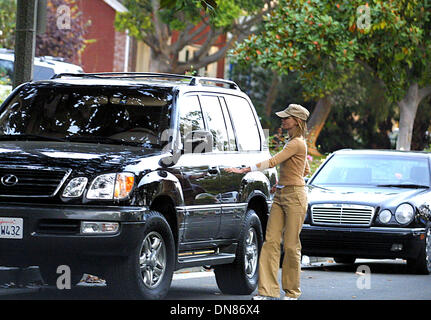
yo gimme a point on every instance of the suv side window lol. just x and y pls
(213, 113)
(244, 122)
(190, 115)
(231, 134)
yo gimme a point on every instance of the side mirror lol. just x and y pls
(171, 160)
(198, 142)
(306, 180)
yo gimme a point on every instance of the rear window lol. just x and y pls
(244, 123)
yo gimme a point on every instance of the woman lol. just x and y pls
(288, 210)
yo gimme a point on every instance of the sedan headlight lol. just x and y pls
(385, 216)
(111, 186)
(404, 213)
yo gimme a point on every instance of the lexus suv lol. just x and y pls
(122, 175)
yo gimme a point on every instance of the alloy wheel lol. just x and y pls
(251, 253)
(152, 260)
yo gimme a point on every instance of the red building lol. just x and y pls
(108, 49)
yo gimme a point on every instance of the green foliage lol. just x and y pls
(182, 4)
(7, 23)
(4, 92)
(322, 42)
(178, 14)
(397, 45)
(303, 36)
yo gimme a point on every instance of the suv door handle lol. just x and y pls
(213, 170)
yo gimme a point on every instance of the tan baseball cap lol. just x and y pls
(295, 110)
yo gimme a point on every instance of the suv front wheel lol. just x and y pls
(147, 272)
(240, 277)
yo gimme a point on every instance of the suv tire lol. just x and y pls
(240, 277)
(147, 272)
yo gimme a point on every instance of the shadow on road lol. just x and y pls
(376, 266)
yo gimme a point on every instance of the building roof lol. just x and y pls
(116, 5)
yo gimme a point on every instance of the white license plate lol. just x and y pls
(11, 228)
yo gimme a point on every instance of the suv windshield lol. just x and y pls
(85, 114)
(374, 170)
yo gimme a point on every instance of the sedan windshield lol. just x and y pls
(374, 170)
(87, 114)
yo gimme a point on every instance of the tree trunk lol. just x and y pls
(408, 108)
(316, 122)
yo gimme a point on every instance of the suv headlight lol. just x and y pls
(75, 187)
(111, 186)
(404, 213)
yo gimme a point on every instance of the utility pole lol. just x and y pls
(25, 41)
(30, 18)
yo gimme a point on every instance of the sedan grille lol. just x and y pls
(31, 182)
(342, 215)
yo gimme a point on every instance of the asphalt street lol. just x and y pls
(325, 280)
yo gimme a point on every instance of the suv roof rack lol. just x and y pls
(193, 80)
(51, 58)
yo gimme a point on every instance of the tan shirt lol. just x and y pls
(293, 163)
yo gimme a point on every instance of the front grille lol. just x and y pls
(342, 215)
(31, 182)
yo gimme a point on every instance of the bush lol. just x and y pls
(4, 92)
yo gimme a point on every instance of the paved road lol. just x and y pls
(365, 280)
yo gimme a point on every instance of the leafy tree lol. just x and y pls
(61, 39)
(65, 42)
(167, 30)
(7, 23)
(209, 5)
(397, 48)
(303, 36)
(327, 42)
(269, 92)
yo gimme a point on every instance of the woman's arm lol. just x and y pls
(307, 169)
(288, 151)
(237, 170)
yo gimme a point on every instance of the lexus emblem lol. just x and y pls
(9, 180)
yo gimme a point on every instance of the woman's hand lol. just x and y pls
(237, 170)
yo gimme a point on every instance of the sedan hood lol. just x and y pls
(374, 196)
(83, 157)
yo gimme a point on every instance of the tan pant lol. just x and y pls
(287, 214)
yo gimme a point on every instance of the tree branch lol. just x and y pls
(424, 92)
(182, 67)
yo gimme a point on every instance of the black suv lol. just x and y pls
(122, 175)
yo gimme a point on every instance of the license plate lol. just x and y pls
(11, 228)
